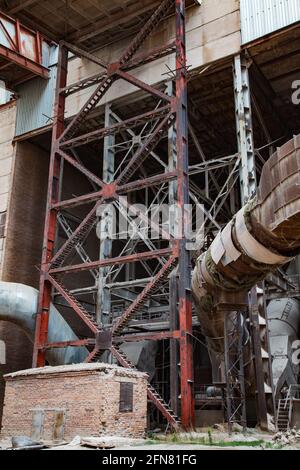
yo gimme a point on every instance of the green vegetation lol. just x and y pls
(209, 441)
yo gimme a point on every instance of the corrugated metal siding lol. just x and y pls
(261, 17)
(35, 103)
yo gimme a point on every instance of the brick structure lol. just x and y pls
(56, 403)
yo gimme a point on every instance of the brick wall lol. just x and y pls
(88, 395)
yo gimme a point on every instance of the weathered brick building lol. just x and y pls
(56, 403)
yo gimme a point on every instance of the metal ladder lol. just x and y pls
(153, 395)
(283, 415)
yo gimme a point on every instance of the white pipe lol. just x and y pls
(18, 304)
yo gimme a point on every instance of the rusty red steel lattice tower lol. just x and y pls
(172, 112)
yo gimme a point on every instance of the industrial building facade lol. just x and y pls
(111, 112)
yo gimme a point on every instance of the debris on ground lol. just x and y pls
(25, 443)
(99, 442)
(287, 438)
(109, 442)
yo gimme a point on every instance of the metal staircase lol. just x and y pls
(153, 395)
(144, 296)
(77, 237)
(87, 317)
(283, 415)
(285, 408)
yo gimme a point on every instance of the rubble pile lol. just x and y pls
(287, 438)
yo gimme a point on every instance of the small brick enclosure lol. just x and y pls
(58, 403)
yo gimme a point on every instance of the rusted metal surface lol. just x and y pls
(57, 263)
(184, 265)
(278, 199)
(42, 320)
(21, 46)
(262, 236)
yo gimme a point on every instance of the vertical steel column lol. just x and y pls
(244, 128)
(261, 403)
(185, 303)
(263, 368)
(106, 223)
(54, 182)
(174, 320)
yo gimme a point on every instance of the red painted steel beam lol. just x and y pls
(74, 344)
(24, 62)
(150, 56)
(147, 29)
(78, 201)
(142, 59)
(147, 337)
(82, 53)
(114, 129)
(185, 301)
(108, 80)
(142, 85)
(113, 261)
(83, 84)
(42, 320)
(125, 189)
(78, 236)
(147, 182)
(85, 316)
(91, 176)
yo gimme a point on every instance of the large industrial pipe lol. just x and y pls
(18, 304)
(264, 235)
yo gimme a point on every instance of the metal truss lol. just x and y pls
(119, 182)
(234, 323)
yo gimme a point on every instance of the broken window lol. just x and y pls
(126, 397)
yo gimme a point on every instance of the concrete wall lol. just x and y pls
(88, 397)
(213, 33)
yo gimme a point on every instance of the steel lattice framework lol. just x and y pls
(171, 113)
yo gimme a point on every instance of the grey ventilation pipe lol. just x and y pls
(264, 235)
(18, 304)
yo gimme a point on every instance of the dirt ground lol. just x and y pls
(197, 441)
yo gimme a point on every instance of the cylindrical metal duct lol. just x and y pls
(18, 305)
(264, 235)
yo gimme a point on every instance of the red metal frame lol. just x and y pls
(172, 113)
(30, 60)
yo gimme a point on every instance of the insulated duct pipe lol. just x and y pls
(18, 304)
(264, 235)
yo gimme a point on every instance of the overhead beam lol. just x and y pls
(20, 6)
